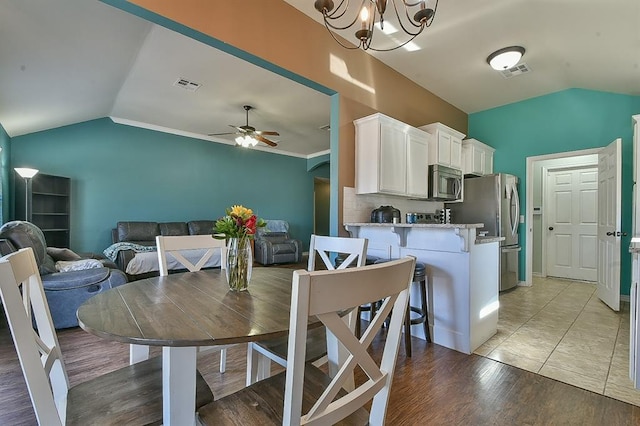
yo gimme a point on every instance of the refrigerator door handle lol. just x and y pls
(511, 249)
(514, 221)
(632, 335)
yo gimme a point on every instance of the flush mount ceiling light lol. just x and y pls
(412, 17)
(505, 58)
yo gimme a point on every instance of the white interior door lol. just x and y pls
(571, 208)
(609, 224)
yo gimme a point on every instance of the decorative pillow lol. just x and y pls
(77, 265)
(62, 254)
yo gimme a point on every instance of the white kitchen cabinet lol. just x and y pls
(477, 158)
(445, 147)
(417, 160)
(391, 157)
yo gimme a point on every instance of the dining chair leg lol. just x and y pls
(407, 332)
(223, 360)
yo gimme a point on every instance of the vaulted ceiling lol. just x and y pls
(68, 61)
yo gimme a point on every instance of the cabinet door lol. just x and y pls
(487, 168)
(417, 164)
(477, 158)
(392, 160)
(444, 149)
(456, 153)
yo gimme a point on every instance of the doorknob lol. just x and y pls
(551, 228)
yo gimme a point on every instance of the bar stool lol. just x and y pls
(365, 308)
(420, 277)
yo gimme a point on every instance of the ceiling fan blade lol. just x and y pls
(267, 132)
(222, 134)
(265, 140)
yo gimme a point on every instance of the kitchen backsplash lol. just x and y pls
(357, 208)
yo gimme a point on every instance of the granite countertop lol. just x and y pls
(634, 247)
(420, 225)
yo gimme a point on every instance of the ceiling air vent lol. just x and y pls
(521, 68)
(191, 86)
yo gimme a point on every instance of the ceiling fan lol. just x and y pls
(249, 132)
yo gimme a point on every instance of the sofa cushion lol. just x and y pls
(75, 279)
(283, 248)
(174, 229)
(275, 237)
(201, 227)
(137, 231)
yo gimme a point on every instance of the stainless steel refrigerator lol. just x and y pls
(493, 200)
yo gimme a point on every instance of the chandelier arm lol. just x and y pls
(338, 12)
(352, 47)
(402, 25)
(335, 27)
(395, 47)
(409, 18)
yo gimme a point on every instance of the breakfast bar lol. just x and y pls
(462, 276)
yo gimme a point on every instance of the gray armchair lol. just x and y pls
(273, 244)
(65, 291)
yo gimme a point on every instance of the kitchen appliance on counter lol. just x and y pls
(493, 200)
(385, 214)
(445, 183)
(421, 218)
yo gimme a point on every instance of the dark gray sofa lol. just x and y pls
(144, 234)
(65, 291)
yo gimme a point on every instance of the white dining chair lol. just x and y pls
(192, 252)
(130, 395)
(304, 394)
(260, 354)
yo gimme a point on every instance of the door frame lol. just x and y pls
(545, 236)
(529, 203)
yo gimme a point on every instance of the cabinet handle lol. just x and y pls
(551, 228)
(610, 234)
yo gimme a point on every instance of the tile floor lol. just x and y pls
(560, 329)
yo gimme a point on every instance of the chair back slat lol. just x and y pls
(314, 294)
(175, 245)
(355, 248)
(39, 352)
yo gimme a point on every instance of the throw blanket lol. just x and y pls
(112, 251)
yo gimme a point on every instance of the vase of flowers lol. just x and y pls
(238, 226)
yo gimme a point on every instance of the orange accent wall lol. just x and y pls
(277, 32)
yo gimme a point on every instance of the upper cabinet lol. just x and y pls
(391, 157)
(477, 158)
(446, 145)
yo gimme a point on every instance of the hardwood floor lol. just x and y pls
(436, 386)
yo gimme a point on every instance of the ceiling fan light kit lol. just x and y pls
(412, 16)
(246, 141)
(248, 135)
(505, 58)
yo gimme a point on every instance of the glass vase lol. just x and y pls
(238, 263)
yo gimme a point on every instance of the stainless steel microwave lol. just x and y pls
(445, 183)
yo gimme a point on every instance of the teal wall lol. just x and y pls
(120, 172)
(5, 175)
(569, 120)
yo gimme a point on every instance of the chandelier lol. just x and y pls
(412, 17)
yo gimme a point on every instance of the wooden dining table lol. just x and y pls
(183, 311)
